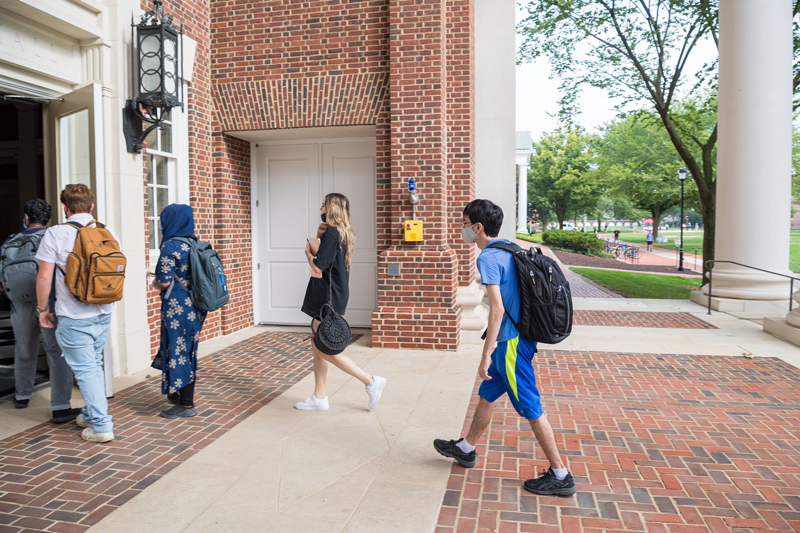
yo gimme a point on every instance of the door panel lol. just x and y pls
(288, 202)
(75, 144)
(349, 168)
(292, 183)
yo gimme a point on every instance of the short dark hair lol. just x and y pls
(38, 211)
(487, 213)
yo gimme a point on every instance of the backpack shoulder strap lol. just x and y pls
(181, 239)
(76, 225)
(507, 246)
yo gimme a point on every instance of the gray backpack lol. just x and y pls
(19, 267)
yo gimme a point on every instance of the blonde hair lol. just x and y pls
(337, 207)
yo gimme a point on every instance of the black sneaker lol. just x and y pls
(65, 415)
(448, 448)
(21, 404)
(179, 411)
(547, 484)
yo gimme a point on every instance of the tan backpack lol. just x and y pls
(95, 269)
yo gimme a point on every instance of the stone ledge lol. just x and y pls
(780, 328)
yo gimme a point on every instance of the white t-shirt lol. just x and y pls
(55, 247)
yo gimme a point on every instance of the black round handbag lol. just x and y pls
(333, 333)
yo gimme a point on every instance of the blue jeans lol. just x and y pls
(82, 342)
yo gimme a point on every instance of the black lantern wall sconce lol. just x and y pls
(156, 86)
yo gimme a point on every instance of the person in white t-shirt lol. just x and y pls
(82, 328)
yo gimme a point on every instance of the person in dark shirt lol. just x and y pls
(329, 258)
(25, 324)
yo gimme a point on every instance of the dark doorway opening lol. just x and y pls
(21, 179)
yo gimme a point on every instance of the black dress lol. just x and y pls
(329, 259)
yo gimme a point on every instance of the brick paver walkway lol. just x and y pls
(638, 319)
(657, 443)
(52, 480)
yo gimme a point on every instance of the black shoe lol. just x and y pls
(65, 415)
(448, 448)
(21, 404)
(179, 411)
(173, 397)
(547, 484)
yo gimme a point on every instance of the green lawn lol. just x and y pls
(639, 285)
(692, 240)
(537, 238)
(794, 250)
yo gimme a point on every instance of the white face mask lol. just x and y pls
(468, 234)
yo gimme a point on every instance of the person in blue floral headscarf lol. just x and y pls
(180, 321)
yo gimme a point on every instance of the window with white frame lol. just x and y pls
(167, 172)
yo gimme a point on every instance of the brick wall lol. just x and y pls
(421, 298)
(265, 65)
(195, 16)
(461, 128)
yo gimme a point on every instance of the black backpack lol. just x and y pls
(545, 306)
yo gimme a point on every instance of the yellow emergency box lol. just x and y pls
(413, 230)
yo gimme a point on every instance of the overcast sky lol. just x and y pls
(537, 95)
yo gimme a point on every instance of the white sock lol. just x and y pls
(465, 446)
(560, 473)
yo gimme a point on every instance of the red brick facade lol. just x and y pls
(405, 67)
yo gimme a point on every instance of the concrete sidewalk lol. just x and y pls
(251, 462)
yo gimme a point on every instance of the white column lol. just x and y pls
(754, 148)
(522, 199)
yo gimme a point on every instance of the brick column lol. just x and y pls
(417, 281)
(461, 127)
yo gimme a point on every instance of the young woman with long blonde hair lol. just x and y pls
(329, 257)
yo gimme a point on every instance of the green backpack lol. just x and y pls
(209, 288)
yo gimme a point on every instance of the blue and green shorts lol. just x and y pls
(512, 372)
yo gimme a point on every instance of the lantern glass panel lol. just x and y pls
(150, 63)
(170, 66)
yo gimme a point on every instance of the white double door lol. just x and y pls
(291, 183)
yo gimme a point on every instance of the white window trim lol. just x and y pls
(179, 187)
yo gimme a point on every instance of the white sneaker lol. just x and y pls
(374, 390)
(92, 436)
(312, 403)
(82, 421)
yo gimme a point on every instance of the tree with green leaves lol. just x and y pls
(637, 158)
(638, 51)
(562, 173)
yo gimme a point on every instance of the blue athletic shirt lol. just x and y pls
(496, 267)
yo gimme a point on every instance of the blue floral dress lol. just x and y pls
(180, 321)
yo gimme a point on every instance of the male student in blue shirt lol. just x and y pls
(508, 367)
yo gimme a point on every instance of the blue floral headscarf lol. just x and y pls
(177, 220)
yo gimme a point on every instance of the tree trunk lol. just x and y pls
(656, 213)
(709, 210)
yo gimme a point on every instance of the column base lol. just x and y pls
(737, 305)
(416, 328)
(474, 313)
(731, 281)
(417, 307)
